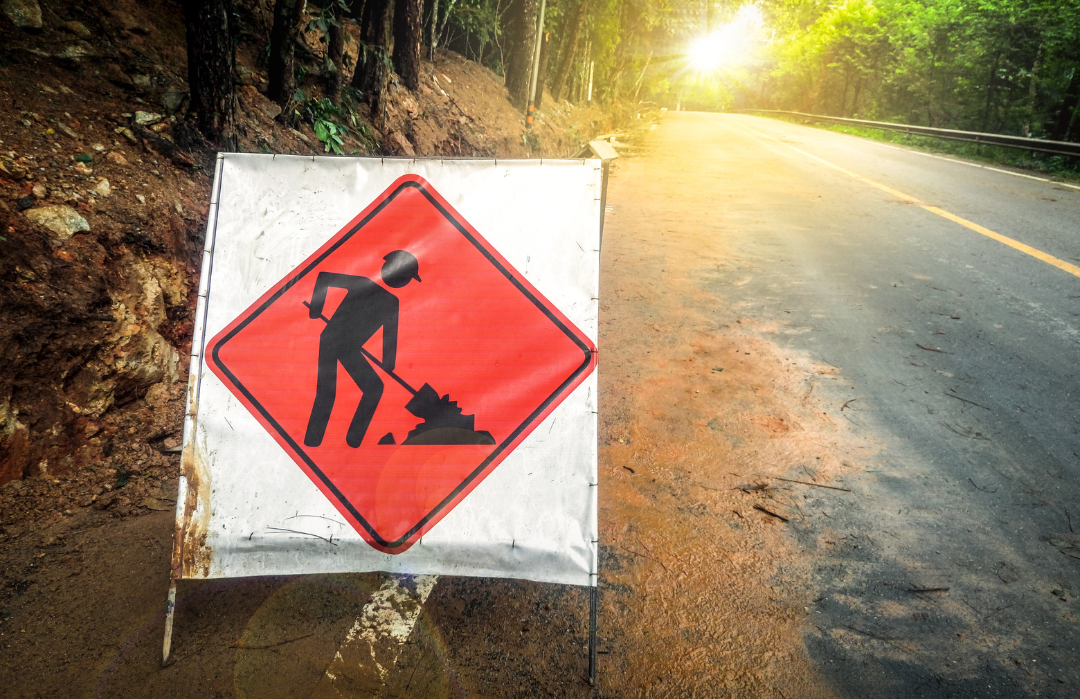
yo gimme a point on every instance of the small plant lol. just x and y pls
(326, 120)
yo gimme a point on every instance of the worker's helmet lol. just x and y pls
(400, 268)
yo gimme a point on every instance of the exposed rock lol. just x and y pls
(14, 445)
(400, 145)
(245, 76)
(156, 504)
(77, 28)
(15, 171)
(128, 134)
(172, 101)
(272, 110)
(24, 203)
(24, 14)
(67, 130)
(116, 158)
(147, 118)
(83, 169)
(141, 198)
(62, 220)
(71, 53)
(40, 192)
(103, 188)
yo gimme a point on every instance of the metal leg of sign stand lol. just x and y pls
(592, 636)
(170, 608)
(603, 201)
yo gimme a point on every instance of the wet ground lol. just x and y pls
(756, 441)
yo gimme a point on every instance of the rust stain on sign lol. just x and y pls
(191, 553)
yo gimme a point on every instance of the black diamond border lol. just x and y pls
(422, 188)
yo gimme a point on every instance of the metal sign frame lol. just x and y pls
(191, 490)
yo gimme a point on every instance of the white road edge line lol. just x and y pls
(384, 625)
(951, 160)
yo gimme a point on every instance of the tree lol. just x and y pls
(373, 76)
(408, 27)
(519, 63)
(335, 50)
(542, 70)
(568, 51)
(282, 65)
(211, 61)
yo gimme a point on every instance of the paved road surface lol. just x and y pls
(960, 357)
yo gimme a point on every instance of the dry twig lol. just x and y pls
(816, 485)
(782, 518)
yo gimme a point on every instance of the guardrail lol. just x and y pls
(989, 139)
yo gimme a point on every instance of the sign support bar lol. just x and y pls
(592, 634)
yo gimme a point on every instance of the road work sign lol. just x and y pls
(393, 369)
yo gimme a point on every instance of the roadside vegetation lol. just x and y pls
(996, 66)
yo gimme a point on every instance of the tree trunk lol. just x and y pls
(1032, 93)
(641, 79)
(519, 62)
(431, 23)
(375, 76)
(369, 19)
(282, 65)
(408, 28)
(335, 52)
(545, 55)
(211, 61)
(569, 48)
(1067, 112)
(991, 88)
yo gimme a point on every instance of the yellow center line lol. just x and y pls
(1015, 244)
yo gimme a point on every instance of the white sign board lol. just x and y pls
(393, 368)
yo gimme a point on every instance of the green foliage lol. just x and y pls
(326, 17)
(327, 120)
(1003, 66)
(477, 25)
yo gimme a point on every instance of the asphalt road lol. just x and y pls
(958, 359)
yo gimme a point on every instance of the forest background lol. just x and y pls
(1004, 66)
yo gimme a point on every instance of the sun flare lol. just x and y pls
(732, 43)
